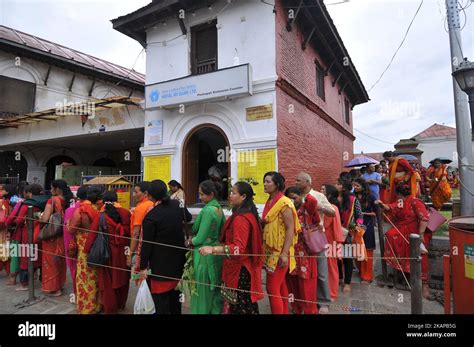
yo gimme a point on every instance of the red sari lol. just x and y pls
(85, 218)
(114, 283)
(4, 212)
(302, 282)
(53, 271)
(406, 217)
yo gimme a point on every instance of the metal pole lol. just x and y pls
(378, 212)
(463, 121)
(415, 274)
(31, 271)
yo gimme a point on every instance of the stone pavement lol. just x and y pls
(363, 299)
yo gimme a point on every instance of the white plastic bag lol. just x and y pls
(144, 302)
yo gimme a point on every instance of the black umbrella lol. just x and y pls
(443, 160)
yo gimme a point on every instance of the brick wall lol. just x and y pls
(315, 137)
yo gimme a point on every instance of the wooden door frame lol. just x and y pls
(192, 132)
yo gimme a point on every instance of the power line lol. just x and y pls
(126, 76)
(400, 46)
(390, 143)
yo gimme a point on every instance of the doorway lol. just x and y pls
(201, 150)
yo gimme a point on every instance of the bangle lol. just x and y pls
(227, 251)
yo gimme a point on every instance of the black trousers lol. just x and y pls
(348, 267)
(167, 302)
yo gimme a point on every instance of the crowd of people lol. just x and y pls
(303, 244)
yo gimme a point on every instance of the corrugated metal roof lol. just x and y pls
(436, 130)
(42, 45)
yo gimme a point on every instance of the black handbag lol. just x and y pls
(100, 251)
(54, 228)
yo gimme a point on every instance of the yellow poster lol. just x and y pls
(253, 164)
(124, 199)
(157, 167)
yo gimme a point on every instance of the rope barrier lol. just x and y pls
(344, 307)
(197, 250)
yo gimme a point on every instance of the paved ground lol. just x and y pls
(370, 299)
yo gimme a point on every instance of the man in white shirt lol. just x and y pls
(303, 182)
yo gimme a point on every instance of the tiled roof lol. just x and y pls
(436, 130)
(44, 46)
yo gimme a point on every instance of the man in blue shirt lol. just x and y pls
(374, 179)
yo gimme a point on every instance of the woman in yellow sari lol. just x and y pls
(437, 177)
(280, 235)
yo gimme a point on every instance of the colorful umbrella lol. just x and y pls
(361, 160)
(408, 157)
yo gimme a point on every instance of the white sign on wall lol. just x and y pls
(233, 81)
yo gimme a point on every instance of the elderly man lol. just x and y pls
(303, 182)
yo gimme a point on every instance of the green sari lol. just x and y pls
(206, 231)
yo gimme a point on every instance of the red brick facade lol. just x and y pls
(314, 138)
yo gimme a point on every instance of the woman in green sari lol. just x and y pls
(207, 270)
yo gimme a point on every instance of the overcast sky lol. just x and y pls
(412, 95)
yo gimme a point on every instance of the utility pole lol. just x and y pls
(463, 121)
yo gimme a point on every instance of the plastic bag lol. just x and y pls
(144, 302)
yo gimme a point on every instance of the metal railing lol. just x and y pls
(10, 179)
(206, 66)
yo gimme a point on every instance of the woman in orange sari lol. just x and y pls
(333, 228)
(53, 271)
(437, 177)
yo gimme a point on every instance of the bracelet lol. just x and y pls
(227, 251)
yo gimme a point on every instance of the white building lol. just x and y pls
(437, 141)
(243, 75)
(38, 78)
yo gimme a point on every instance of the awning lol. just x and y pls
(72, 109)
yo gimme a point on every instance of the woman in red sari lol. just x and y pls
(242, 234)
(18, 221)
(53, 273)
(400, 173)
(4, 212)
(410, 216)
(333, 228)
(302, 282)
(113, 283)
(86, 218)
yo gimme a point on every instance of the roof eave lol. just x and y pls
(68, 64)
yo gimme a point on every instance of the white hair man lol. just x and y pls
(303, 182)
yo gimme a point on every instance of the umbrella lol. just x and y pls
(361, 160)
(443, 160)
(408, 157)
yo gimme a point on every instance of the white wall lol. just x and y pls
(246, 29)
(438, 147)
(47, 97)
(59, 80)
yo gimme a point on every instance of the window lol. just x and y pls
(204, 48)
(347, 111)
(18, 97)
(320, 82)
